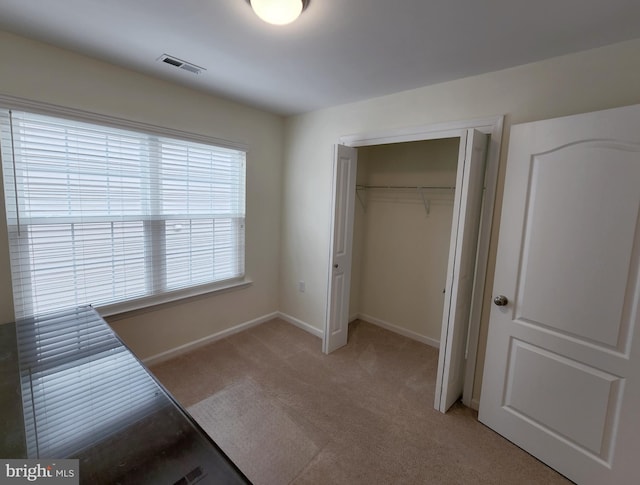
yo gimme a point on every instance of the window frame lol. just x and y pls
(167, 296)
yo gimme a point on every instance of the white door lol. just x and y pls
(562, 369)
(344, 187)
(461, 268)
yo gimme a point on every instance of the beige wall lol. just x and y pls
(582, 82)
(400, 253)
(40, 72)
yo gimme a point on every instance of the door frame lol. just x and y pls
(493, 127)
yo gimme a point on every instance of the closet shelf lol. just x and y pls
(419, 188)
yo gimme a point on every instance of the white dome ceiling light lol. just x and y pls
(278, 12)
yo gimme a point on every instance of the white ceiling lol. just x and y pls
(338, 51)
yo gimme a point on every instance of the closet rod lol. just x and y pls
(419, 189)
(412, 187)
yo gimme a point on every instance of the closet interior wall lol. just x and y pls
(401, 236)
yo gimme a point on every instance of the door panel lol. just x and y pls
(337, 292)
(562, 368)
(574, 390)
(337, 325)
(461, 268)
(560, 228)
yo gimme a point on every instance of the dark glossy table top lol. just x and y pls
(72, 389)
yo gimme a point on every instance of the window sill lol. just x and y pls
(121, 310)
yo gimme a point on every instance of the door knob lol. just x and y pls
(500, 300)
(336, 266)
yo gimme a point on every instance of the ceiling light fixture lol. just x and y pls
(278, 12)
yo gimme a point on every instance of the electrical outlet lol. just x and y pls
(301, 286)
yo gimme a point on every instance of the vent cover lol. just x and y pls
(187, 66)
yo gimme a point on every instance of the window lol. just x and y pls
(100, 215)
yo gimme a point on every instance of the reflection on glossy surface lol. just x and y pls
(79, 384)
(11, 429)
(86, 396)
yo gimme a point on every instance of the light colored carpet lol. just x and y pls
(288, 414)
(256, 433)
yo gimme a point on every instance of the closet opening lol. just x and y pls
(401, 234)
(410, 233)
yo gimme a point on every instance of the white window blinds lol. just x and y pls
(99, 215)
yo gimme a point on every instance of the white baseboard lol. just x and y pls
(474, 404)
(182, 349)
(402, 331)
(302, 325)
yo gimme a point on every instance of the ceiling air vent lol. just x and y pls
(187, 66)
